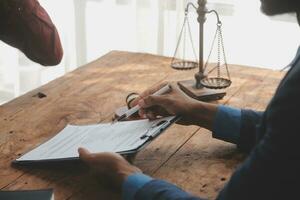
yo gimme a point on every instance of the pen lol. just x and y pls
(136, 108)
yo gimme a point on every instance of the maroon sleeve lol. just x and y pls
(24, 24)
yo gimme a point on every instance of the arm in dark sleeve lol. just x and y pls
(27, 26)
(231, 125)
(272, 169)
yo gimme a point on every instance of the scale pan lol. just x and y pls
(216, 83)
(184, 65)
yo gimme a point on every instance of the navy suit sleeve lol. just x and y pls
(161, 190)
(249, 121)
(272, 169)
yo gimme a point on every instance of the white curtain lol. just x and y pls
(92, 28)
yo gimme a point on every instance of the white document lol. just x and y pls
(118, 137)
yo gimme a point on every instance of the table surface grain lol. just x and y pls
(186, 156)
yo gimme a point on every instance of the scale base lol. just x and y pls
(202, 94)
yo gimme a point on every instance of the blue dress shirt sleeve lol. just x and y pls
(132, 184)
(227, 124)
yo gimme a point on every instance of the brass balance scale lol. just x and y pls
(209, 82)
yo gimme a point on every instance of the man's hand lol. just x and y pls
(176, 102)
(109, 167)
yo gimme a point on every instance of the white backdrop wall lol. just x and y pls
(91, 28)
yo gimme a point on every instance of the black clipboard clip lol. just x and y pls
(163, 124)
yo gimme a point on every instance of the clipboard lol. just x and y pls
(142, 139)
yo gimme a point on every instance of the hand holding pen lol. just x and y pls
(176, 103)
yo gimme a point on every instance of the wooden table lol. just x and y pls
(187, 156)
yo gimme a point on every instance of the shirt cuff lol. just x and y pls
(227, 124)
(132, 184)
